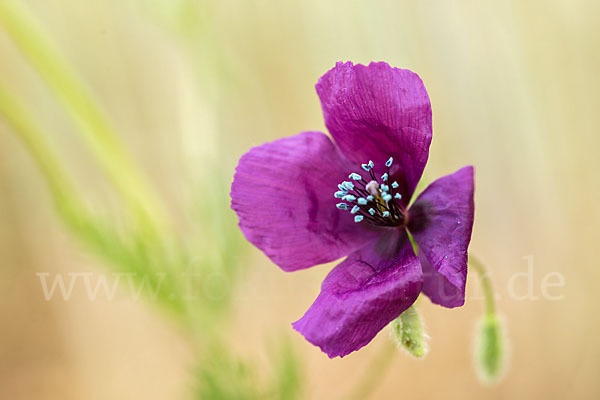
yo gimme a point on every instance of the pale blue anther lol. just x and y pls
(367, 167)
(370, 198)
(384, 177)
(386, 197)
(342, 188)
(339, 195)
(355, 176)
(355, 209)
(385, 188)
(398, 196)
(348, 185)
(349, 197)
(358, 218)
(361, 201)
(342, 206)
(389, 162)
(371, 211)
(385, 214)
(395, 184)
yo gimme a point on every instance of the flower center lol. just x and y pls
(374, 199)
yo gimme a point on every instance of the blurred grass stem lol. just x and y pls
(86, 114)
(32, 137)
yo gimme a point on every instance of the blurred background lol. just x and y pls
(121, 122)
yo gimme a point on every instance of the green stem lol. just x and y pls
(486, 284)
(375, 372)
(80, 105)
(490, 345)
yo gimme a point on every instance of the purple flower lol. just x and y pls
(307, 200)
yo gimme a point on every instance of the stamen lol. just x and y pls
(373, 201)
(348, 185)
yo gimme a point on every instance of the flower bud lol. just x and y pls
(408, 333)
(490, 350)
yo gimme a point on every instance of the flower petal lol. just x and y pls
(283, 195)
(441, 220)
(438, 288)
(376, 112)
(364, 293)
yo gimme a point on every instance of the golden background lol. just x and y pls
(192, 85)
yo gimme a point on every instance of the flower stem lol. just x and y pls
(92, 123)
(486, 284)
(490, 346)
(375, 372)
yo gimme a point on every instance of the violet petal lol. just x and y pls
(441, 220)
(283, 195)
(364, 293)
(376, 112)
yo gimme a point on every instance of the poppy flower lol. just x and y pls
(305, 200)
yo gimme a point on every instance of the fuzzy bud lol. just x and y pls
(490, 350)
(408, 333)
